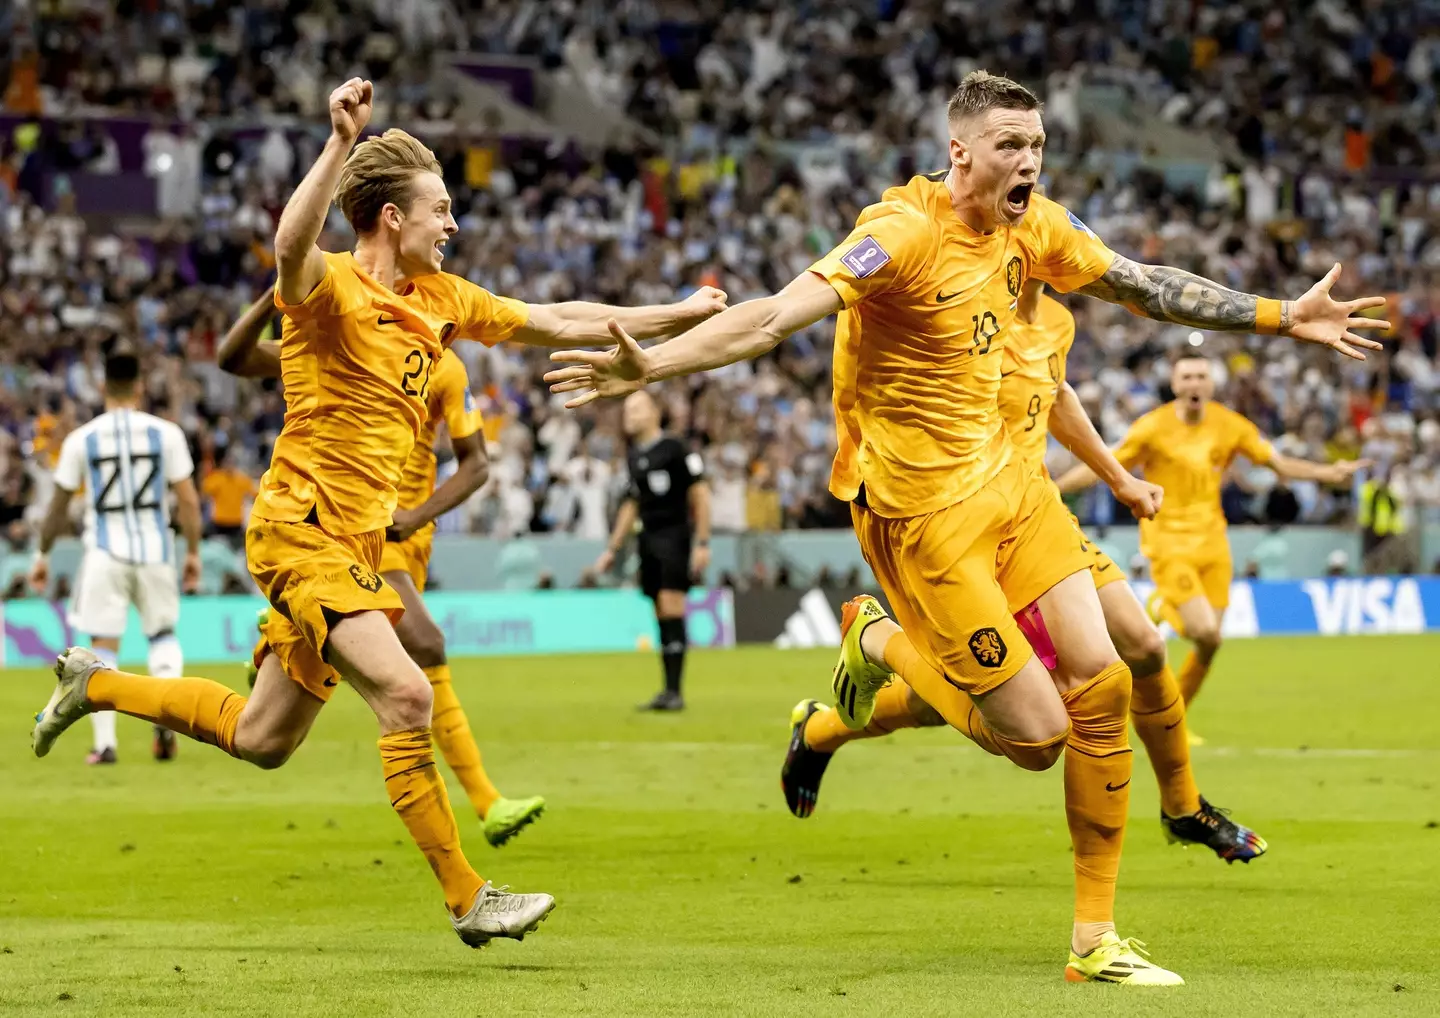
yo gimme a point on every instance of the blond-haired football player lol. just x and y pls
(367, 329)
(1186, 446)
(405, 562)
(959, 535)
(1036, 400)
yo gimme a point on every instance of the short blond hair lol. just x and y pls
(981, 91)
(379, 173)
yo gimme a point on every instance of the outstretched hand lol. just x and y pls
(607, 374)
(1319, 318)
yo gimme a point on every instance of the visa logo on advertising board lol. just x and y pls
(1380, 604)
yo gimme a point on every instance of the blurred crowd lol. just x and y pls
(770, 126)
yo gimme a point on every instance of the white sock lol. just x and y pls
(166, 659)
(103, 722)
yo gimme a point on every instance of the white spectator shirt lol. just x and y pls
(589, 480)
(126, 461)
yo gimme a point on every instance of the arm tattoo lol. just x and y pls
(1168, 294)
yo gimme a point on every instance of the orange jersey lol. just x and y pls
(450, 401)
(357, 360)
(1031, 371)
(1189, 461)
(928, 310)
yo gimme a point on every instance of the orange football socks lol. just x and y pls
(825, 732)
(1097, 789)
(451, 729)
(1158, 711)
(418, 794)
(200, 708)
(1192, 674)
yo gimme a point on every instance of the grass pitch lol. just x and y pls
(932, 880)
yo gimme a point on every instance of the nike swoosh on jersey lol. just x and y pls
(389, 321)
(941, 296)
(1115, 788)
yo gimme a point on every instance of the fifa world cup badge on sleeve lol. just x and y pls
(865, 258)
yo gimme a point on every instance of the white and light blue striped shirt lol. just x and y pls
(126, 461)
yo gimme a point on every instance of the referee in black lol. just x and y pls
(669, 493)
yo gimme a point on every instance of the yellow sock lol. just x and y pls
(1097, 788)
(418, 795)
(825, 732)
(951, 702)
(1192, 674)
(1158, 711)
(200, 708)
(452, 734)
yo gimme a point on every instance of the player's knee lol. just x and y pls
(1207, 641)
(924, 715)
(1144, 653)
(409, 706)
(425, 644)
(267, 752)
(1037, 754)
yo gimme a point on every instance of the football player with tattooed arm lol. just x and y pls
(959, 535)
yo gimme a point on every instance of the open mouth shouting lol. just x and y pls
(1017, 199)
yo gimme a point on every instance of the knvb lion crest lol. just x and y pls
(987, 647)
(365, 579)
(1013, 277)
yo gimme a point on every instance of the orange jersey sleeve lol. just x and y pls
(1063, 251)
(1248, 441)
(485, 317)
(1031, 372)
(1131, 450)
(891, 246)
(457, 405)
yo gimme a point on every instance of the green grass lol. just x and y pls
(932, 880)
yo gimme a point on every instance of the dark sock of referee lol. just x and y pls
(672, 653)
(669, 500)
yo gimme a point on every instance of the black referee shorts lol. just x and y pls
(664, 560)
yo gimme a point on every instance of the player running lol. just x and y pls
(960, 536)
(1036, 400)
(369, 329)
(405, 560)
(1186, 446)
(130, 462)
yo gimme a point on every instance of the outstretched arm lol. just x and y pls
(1295, 469)
(583, 323)
(739, 333)
(1072, 426)
(242, 353)
(1168, 294)
(298, 261)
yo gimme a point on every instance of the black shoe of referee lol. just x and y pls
(665, 700)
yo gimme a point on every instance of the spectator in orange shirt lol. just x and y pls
(226, 489)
